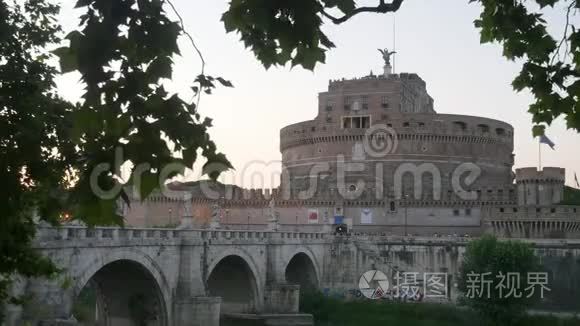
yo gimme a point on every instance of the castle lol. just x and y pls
(380, 159)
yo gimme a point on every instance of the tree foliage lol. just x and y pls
(551, 67)
(290, 31)
(279, 32)
(61, 158)
(34, 146)
(490, 255)
(124, 52)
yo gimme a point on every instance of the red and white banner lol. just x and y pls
(312, 216)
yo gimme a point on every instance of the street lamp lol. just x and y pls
(296, 222)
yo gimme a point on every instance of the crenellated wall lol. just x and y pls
(540, 187)
(534, 222)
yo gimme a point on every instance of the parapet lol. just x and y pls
(547, 174)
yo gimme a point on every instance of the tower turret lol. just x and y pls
(540, 187)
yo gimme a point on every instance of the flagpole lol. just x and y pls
(539, 155)
(394, 43)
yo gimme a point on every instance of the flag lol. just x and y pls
(312, 216)
(576, 179)
(366, 216)
(545, 140)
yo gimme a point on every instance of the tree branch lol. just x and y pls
(564, 39)
(382, 8)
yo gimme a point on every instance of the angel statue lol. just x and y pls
(387, 56)
(272, 210)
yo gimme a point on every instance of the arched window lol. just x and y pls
(459, 126)
(483, 128)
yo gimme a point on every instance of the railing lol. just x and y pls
(112, 233)
(105, 234)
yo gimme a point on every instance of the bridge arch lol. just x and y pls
(127, 284)
(234, 276)
(302, 268)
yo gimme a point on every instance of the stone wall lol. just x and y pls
(350, 258)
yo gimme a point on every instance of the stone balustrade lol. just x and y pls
(127, 234)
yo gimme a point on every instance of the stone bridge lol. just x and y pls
(171, 277)
(185, 277)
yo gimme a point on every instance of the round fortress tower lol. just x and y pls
(419, 143)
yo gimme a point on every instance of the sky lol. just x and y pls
(435, 39)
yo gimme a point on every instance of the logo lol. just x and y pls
(373, 284)
(380, 140)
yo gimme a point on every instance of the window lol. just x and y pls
(455, 212)
(500, 131)
(365, 102)
(352, 188)
(385, 102)
(468, 211)
(328, 119)
(538, 210)
(346, 122)
(515, 210)
(552, 210)
(356, 122)
(328, 108)
(459, 126)
(392, 206)
(483, 128)
(405, 124)
(366, 122)
(501, 210)
(347, 103)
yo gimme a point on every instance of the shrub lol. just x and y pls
(489, 255)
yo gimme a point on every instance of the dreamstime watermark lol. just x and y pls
(375, 161)
(380, 140)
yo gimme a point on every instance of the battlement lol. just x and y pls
(404, 76)
(438, 128)
(540, 187)
(547, 174)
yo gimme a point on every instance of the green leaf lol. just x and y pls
(160, 68)
(68, 60)
(224, 82)
(83, 3)
(148, 183)
(538, 130)
(215, 165)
